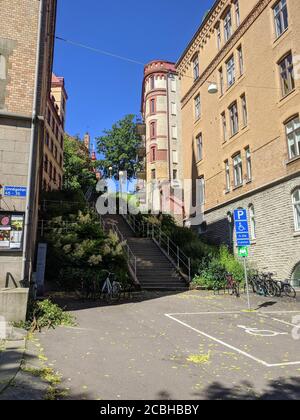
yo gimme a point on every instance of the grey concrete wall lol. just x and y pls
(277, 246)
(13, 304)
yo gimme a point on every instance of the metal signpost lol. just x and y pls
(243, 241)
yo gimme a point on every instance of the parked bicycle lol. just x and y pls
(111, 289)
(264, 284)
(229, 284)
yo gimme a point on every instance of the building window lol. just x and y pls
(241, 60)
(174, 132)
(173, 85)
(238, 170)
(227, 25)
(293, 137)
(152, 106)
(234, 119)
(153, 129)
(153, 154)
(197, 107)
(61, 141)
(47, 139)
(201, 189)
(224, 126)
(196, 71)
(245, 110)
(199, 142)
(237, 13)
(230, 65)
(173, 108)
(152, 82)
(221, 78)
(175, 156)
(153, 174)
(227, 176)
(287, 74)
(219, 38)
(281, 17)
(296, 206)
(175, 174)
(2, 67)
(252, 222)
(248, 163)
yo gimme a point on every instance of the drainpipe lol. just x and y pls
(31, 173)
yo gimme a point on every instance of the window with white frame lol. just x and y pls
(234, 118)
(227, 176)
(2, 67)
(221, 78)
(152, 82)
(252, 220)
(237, 13)
(248, 163)
(196, 72)
(173, 85)
(219, 37)
(241, 60)
(224, 126)
(296, 207)
(152, 106)
(238, 170)
(287, 78)
(245, 110)
(197, 101)
(199, 143)
(174, 132)
(281, 17)
(227, 25)
(175, 156)
(173, 108)
(230, 66)
(293, 137)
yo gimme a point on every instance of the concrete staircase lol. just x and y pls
(154, 269)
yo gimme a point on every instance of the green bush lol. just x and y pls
(45, 314)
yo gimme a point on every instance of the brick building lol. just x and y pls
(26, 54)
(161, 114)
(54, 135)
(243, 143)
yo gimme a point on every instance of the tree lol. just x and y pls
(119, 147)
(79, 169)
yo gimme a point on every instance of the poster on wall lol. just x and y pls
(11, 231)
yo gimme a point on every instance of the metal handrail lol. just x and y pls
(131, 258)
(150, 230)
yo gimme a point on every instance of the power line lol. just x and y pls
(102, 52)
(133, 61)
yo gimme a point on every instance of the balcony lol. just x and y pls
(141, 149)
(141, 174)
(141, 129)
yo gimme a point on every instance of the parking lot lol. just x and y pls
(191, 345)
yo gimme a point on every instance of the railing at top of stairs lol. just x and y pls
(131, 258)
(165, 243)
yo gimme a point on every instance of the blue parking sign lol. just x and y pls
(241, 227)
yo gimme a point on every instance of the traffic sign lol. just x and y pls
(243, 251)
(241, 227)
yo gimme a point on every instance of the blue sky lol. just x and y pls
(103, 89)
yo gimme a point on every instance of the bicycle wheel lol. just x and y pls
(271, 290)
(289, 291)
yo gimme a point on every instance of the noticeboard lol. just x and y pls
(11, 231)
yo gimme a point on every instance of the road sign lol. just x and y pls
(243, 251)
(241, 227)
(11, 191)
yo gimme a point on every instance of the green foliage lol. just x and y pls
(62, 203)
(79, 251)
(119, 145)
(42, 314)
(78, 167)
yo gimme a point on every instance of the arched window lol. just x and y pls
(252, 221)
(296, 208)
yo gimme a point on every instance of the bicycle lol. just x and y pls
(286, 289)
(232, 286)
(111, 289)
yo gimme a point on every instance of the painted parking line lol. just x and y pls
(248, 330)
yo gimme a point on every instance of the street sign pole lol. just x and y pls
(247, 283)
